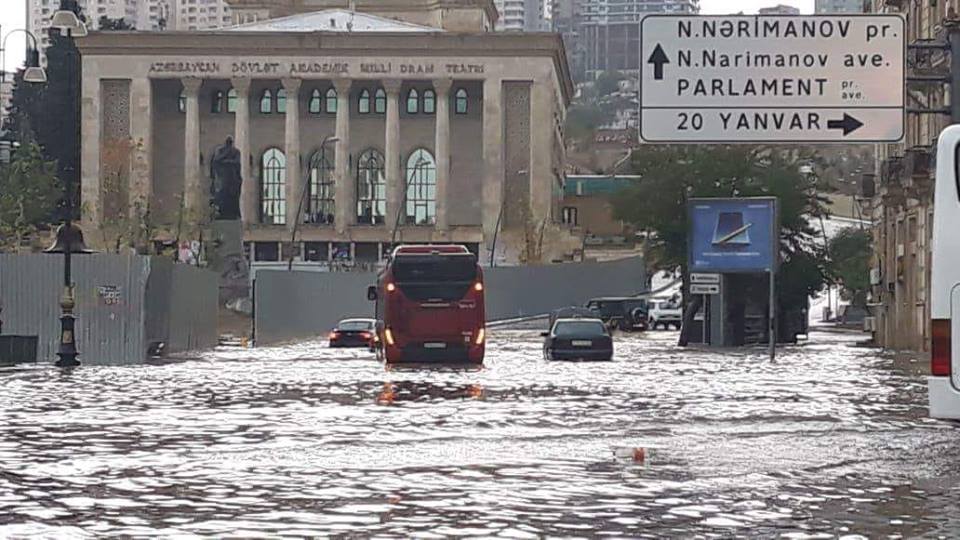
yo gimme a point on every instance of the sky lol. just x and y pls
(13, 15)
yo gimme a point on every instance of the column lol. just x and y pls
(346, 208)
(241, 139)
(90, 154)
(492, 162)
(393, 173)
(192, 198)
(141, 131)
(291, 147)
(442, 148)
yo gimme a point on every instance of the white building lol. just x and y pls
(839, 6)
(779, 10)
(523, 15)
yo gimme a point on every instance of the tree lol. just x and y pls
(28, 195)
(849, 266)
(106, 24)
(672, 174)
(607, 83)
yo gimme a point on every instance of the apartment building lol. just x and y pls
(839, 6)
(779, 9)
(523, 15)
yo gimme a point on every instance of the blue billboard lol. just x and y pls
(733, 235)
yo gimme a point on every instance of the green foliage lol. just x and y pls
(607, 83)
(106, 24)
(672, 174)
(28, 194)
(584, 118)
(849, 266)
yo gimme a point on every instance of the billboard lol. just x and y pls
(733, 235)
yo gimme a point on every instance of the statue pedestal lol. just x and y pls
(225, 257)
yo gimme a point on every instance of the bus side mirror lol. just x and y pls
(372, 293)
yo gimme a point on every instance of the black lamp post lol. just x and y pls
(69, 236)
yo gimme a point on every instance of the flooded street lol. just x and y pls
(832, 440)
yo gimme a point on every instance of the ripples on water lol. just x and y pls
(829, 441)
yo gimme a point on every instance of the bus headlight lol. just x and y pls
(388, 335)
(481, 335)
(391, 287)
(478, 286)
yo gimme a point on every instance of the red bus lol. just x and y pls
(430, 305)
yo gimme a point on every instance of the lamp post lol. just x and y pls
(69, 236)
(32, 73)
(303, 193)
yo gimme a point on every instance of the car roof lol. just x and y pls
(579, 319)
(357, 319)
(616, 299)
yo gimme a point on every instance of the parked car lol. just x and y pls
(665, 313)
(578, 339)
(354, 333)
(571, 312)
(622, 313)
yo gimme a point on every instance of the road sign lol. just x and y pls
(704, 278)
(704, 288)
(764, 78)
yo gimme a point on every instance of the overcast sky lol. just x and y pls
(13, 15)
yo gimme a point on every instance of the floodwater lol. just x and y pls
(829, 441)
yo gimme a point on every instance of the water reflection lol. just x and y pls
(832, 440)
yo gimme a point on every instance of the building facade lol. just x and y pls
(779, 10)
(523, 15)
(840, 6)
(355, 131)
(901, 189)
(609, 31)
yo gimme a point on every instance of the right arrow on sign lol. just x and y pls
(658, 59)
(849, 124)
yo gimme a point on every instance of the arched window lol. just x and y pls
(413, 101)
(380, 101)
(371, 188)
(429, 101)
(331, 100)
(216, 102)
(421, 188)
(281, 101)
(231, 100)
(273, 180)
(460, 105)
(363, 104)
(321, 206)
(182, 102)
(266, 102)
(314, 106)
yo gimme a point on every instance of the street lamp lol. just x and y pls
(69, 240)
(32, 73)
(66, 20)
(303, 194)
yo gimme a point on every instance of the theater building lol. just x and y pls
(392, 122)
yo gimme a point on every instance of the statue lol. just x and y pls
(225, 173)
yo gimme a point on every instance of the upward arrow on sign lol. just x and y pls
(658, 59)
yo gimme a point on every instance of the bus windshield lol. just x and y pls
(434, 277)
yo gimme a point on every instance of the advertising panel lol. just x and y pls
(733, 235)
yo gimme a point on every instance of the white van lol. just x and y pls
(943, 385)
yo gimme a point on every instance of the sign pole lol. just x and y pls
(773, 316)
(705, 313)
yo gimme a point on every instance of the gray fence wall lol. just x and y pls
(294, 305)
(116, 317)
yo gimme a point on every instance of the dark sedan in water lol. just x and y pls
(578, 339)
(354, 333)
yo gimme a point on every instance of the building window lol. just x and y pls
(460, 105)
(331, 100)
(314, 105)
(232, 100)
(371, 188)
(320, 208)
(216, 102)
(273, 199)
(421, 188)
(413, 101)
(266, 251)
(363, 105)
(316, 251)
(380, 101)
(281, 101)
(266, 102)
(182, 102)
(429, 102)
(570, 216)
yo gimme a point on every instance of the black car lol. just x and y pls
(354, 333)
(578, 339)
(571, 312)
(622, 313)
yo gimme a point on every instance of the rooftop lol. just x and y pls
(332, 20)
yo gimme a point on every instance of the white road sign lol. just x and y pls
(772, 78)
(704, 278)
(704, 288)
